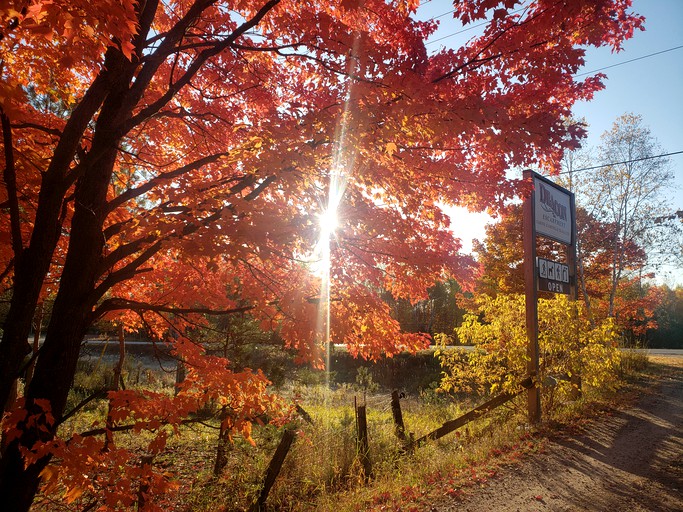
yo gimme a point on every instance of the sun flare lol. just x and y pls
(328, 222)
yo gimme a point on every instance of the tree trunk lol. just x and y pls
(582, 281)
(71, 317)
(33, 262)
(72, 312)
(51, 381)
(19, 485)
(37, 326)
(14, 345)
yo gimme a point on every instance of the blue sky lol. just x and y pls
(651, 86)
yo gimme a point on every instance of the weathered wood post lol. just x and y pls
(118, 369)
(362, 444)
(472, 415)
(223, 445)
(274, 468)
(399, 427)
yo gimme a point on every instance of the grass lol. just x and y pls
(322, 470)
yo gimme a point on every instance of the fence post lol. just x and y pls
(399, 427)
(362, 442)
(274, 468)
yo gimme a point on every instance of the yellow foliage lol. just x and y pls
(568, 345)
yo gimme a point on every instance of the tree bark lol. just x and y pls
(72, 312)
(33, 262)
(37, 326)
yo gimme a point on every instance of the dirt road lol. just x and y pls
(629, 461)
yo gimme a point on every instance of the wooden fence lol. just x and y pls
(362, 444)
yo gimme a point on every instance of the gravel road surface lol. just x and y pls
(631, 460)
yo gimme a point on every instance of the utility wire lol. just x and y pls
(464, 29)
(455, 33)
(631, 60)
(521, 9)
(441, 15)
(620, 163)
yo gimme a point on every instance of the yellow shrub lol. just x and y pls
(568, 346)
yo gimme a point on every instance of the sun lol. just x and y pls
(328, 221)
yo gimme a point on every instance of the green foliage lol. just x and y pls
(669, 318)
(568, 346)
(437, 315)
(364, 380)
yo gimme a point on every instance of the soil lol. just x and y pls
(629, 460)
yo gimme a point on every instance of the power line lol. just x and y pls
(464, 29)
(441, 15)
(455, 33)
(620, 163)
(521, 9)
(628, 61)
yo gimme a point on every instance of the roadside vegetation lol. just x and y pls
(323, 471)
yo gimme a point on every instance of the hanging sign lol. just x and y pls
(553, 277)
(553, 212)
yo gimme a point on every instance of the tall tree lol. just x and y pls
(501, 260)
(669, 318)
(629, 191)
(169, 159)
(438, 314)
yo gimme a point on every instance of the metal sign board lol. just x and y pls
(553, 212)
(553, 276)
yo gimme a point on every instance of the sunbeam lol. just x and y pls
(343, 159)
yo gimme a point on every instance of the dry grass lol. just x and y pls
(322, 472)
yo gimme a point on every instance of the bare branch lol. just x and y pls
(39, 127)
(98, 394)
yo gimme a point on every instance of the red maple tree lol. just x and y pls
(168, 160)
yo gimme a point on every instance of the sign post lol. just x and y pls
(530, 290)
(548, 212)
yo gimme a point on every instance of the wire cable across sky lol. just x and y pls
(621, 163)
(628, 61)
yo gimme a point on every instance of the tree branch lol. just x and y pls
(100, 393)
(193, 68)
(10, 177)
(146, 187)
(125, 428)
(115, 304)
(476, 61)
(39, 127)
(260, 188)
